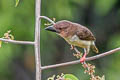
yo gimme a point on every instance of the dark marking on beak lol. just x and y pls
(51, 28)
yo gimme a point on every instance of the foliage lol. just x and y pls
(17, 2)
(7, 35)
(63, 77)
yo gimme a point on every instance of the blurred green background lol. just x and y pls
(102, 17)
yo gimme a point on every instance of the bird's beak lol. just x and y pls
(51, 28)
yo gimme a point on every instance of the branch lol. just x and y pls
(17, 42)
(44, 17)
(37, 39)
(78, 61)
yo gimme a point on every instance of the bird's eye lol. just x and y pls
(60, 28)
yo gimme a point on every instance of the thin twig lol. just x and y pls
(78, 61)
(37, 40)
(44, 17)
(17, 42)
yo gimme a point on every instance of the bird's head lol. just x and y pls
(60, 27)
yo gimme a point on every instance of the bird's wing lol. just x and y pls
(84, 33)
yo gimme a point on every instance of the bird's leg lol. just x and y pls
(83, 58)
(76, 50)
(78, 53)
(86, 50)
(72, 47)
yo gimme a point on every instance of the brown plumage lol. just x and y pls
(75, 34)
(74, 28)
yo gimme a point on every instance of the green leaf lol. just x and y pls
(70, 77)
(0, 44)
(16, 3)
(51, 78)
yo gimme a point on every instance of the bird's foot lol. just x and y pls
(83, 58)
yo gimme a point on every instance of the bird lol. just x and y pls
(76, 35)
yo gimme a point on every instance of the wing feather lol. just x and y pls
(84, 33)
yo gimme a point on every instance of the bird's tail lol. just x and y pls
(94, 48)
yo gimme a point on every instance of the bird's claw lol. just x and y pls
(83, 58)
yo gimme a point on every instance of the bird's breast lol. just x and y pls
(74, 40)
